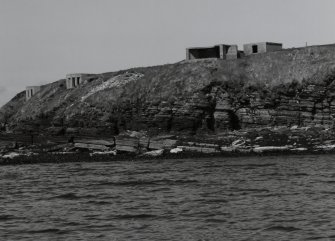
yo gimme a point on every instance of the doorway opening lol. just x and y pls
(254, 49)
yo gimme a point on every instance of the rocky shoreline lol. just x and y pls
(132, 145)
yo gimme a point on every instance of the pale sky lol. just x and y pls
(43, 40)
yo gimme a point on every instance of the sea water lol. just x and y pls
(246, 198)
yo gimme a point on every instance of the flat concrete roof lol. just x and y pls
(270, 43)
(218, 45)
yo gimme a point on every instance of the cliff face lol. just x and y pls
(289, 87)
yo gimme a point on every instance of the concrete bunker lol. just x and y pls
(31, 91)
(221, 51)
(263, 47)
(74, 80)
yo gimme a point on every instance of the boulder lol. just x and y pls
(154, 153)
(91, 146)
(99, 153)
(270, 148)
(60, 147)
(227, 148)
(326, 147)
(71, 131)
(162, 144)
(127, 144)
(11, 155)
(97, 142)
(198, 149)
(176, 150)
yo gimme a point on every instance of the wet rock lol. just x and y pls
(238, 143)
(91, 146)
(228, 148)
(270, 148)
(162, 144)
(198, 149)
(60, 147)
(127, 144)
(155, 153)
(108, 143)
(325, 147)
(100, 153)
(72, 131)
(299, 149)
(176, 150)
(56, 131)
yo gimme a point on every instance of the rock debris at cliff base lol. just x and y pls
(293, 87)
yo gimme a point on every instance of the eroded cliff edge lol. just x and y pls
(284, 88)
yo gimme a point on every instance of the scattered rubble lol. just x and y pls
(117, 81)
(130, 143)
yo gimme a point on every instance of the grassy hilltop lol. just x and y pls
(289, 87)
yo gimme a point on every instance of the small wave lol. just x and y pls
(9, 176)
(251, 165)
(126, 183)
(216, 201)
(273, 174)
(317, 238)
(275, 195)
(135, 216)
(99, 202)
(72, 196)
(6, 217)
(216, 220)
(179, 181)
(213, 166)
(283, 228)
(68, 196)
(48, 230)
(72, 224)
(288, 220)
(328, 192)
(299, 174)
(160, 189)
(249, 190)
(145, 183)
(333, 181)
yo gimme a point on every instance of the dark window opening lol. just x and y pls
(254, 49)
(73, 82)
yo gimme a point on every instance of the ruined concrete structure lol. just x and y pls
(263, 47)
(221, 51)
(31, 91)
(74, 80)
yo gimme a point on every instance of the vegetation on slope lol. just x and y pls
(290, 87)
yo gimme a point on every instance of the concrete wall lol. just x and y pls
(273, 47)
(74, 80)
(217, 51)
(232, 52)
(31, 91)
(203, 53)
(263, 47)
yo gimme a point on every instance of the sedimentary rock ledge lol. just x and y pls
(138, 145)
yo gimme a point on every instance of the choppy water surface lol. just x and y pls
(256, 198)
